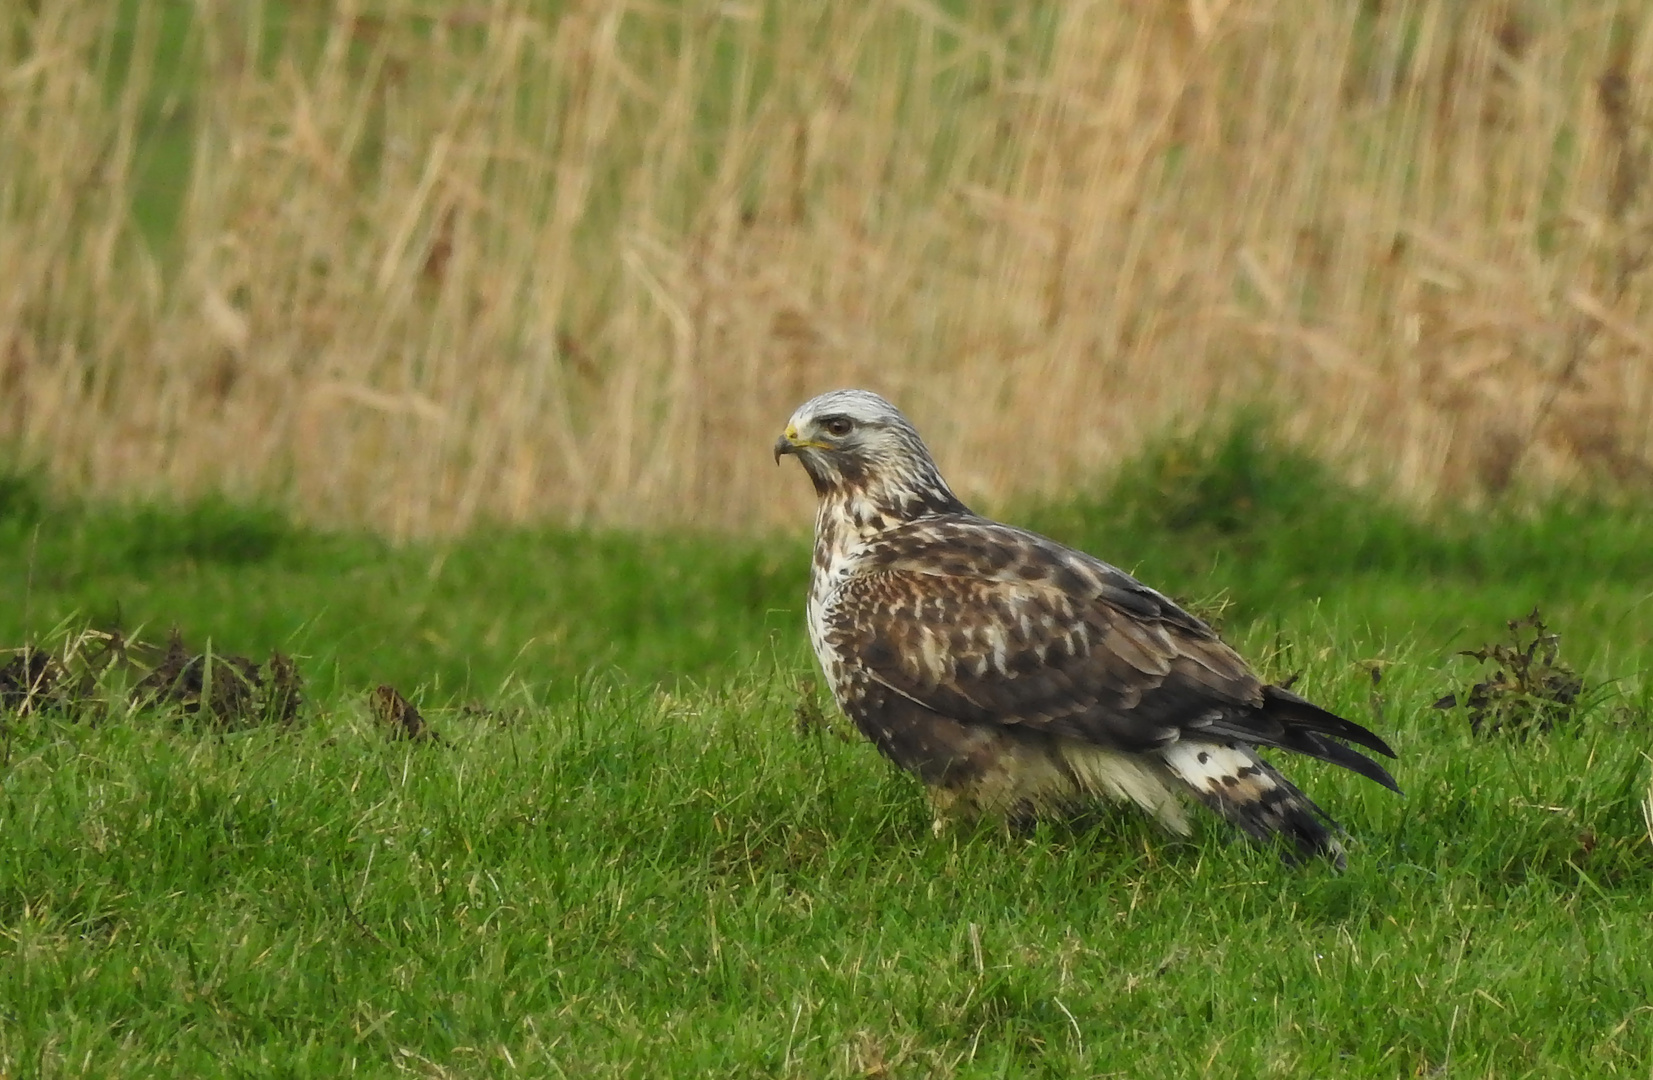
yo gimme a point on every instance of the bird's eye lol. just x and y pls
(837, 426)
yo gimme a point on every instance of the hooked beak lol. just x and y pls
(789, 443)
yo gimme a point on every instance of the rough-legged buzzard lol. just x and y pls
(1016, 676)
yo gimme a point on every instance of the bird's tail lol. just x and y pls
(1231, 779)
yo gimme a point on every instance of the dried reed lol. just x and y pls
(434, 264)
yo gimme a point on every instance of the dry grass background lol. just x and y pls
(436, 263)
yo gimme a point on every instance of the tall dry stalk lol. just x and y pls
(435, 263)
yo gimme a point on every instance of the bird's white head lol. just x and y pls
(857, 447)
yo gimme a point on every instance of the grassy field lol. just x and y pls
(306, 309)
(627, 856)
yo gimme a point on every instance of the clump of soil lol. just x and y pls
(232, 691)
(283, 690)
(399, 716)
(31, 681)
(223, 690)
(36, 681)
(1531, 689)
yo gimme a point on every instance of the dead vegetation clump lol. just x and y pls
(96, 669)
(31, 681)
(1531, 690)
(36, 681)
(399, 717)
(230, 691)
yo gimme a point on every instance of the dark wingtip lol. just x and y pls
(1335, 752)
(1306, 714)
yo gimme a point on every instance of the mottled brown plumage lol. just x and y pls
(1017, 676)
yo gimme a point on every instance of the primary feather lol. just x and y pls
(1017, 676)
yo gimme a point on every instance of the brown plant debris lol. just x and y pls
(1530, 689)
(226, 686)
(399, 716)
(233, 691)
(36, 680)
(283, 690)
(31, 680)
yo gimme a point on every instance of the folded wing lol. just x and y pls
(987, 624)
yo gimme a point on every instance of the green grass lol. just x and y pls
(640, 866)
(1226, 519)
(461, 618)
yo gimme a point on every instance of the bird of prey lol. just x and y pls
(1017, 677)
